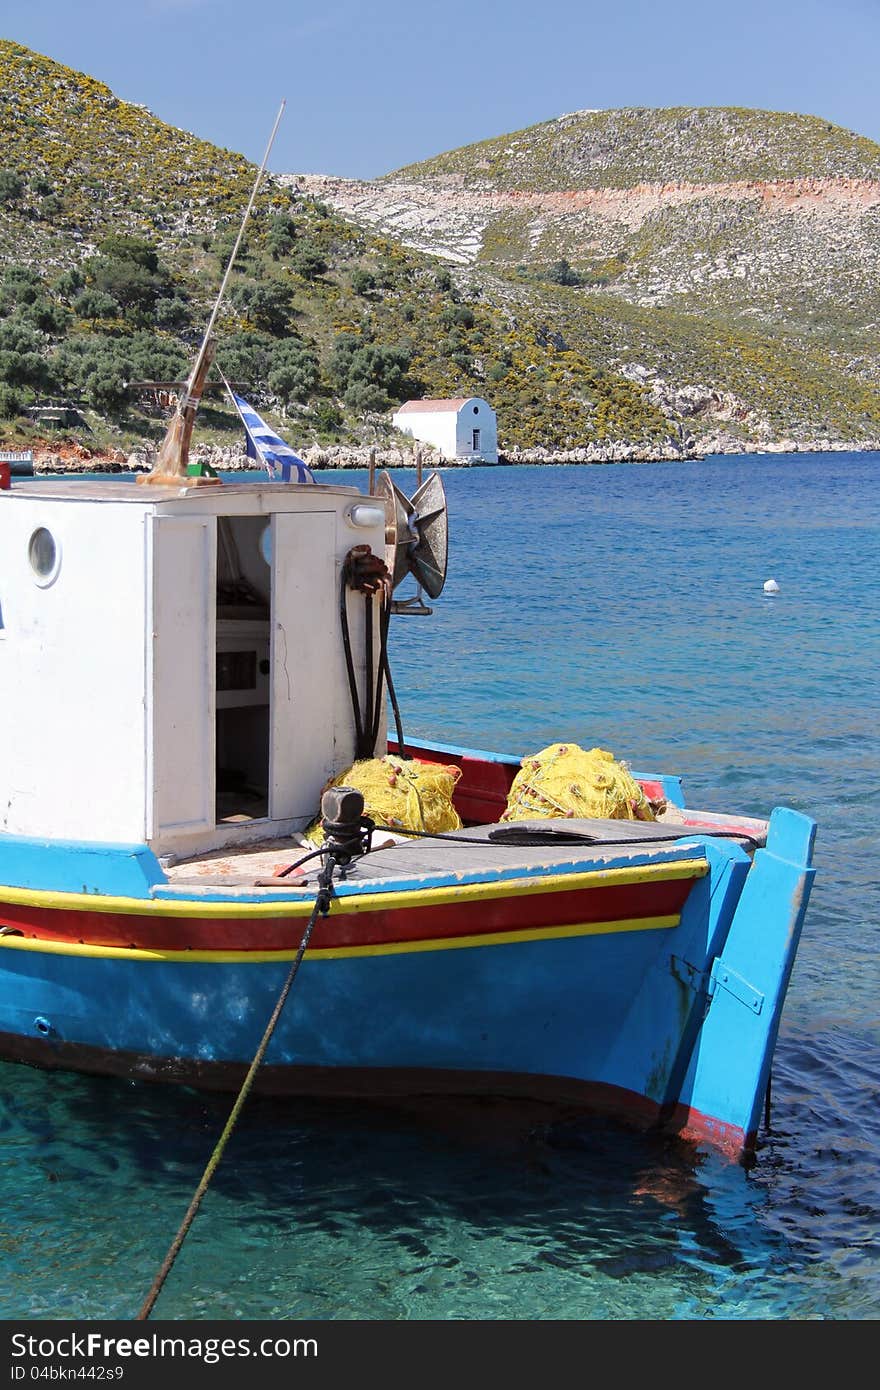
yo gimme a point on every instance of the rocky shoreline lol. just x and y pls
(73, 458)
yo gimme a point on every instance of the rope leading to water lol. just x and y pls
(321, 908)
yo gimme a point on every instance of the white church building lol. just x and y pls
(461, 428)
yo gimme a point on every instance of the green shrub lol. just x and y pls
(280, 236)
(11, 186)
(369, 375)
(69, 283)
(20, 285)
(119, 247)
(327, 417)
(308, 260)
(11, 401)
(561, 273)
(265, 304)
(46, 315)
(246, 358)
(362, 282)
(294, 372)
(95, 304)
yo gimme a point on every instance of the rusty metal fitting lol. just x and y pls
(366, 572)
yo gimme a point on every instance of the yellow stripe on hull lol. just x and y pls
(391, 948)
(366, 902)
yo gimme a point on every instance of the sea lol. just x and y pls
(619, 605)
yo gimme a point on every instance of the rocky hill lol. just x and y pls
(631, 284)
(678, 232)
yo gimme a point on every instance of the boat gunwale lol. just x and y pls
(373, 895)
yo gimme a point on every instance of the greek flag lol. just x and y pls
(279, 460)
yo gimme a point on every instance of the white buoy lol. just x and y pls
(771, 587)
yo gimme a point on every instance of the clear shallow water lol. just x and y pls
(619, 605)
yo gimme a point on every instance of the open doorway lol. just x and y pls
(243, 668)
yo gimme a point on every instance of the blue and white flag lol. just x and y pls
(268, 448)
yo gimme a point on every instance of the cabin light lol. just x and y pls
(363, 515)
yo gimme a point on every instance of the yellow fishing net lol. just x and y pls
(403, 793)
(566, 780)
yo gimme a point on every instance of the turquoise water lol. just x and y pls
(619, 605)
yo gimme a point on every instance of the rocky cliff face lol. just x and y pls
(451, 220)
(784, 249)
(678, 231)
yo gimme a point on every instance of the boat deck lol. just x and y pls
(478, 850)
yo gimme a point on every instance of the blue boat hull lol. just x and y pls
(673, 1026)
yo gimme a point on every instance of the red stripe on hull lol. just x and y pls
(445, 921)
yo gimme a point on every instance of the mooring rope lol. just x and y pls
(322, 907)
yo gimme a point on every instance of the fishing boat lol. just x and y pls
(184, 669)
(190, 672)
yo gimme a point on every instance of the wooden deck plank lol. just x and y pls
(466, 851)
(452, 855)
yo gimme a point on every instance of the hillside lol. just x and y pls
(645, 145)
(726, 252)
(621, 283)
(735, 212)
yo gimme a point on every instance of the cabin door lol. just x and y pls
(180, 657)
(306, 661)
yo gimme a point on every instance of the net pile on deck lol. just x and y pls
(565, 780)
(402, 793)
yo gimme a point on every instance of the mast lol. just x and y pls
(171, 461)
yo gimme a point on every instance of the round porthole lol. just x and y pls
(476, 410)
(44, 554)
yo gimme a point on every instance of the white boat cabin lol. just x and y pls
(172, 668)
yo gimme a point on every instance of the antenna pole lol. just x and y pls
(238, 239)
(171, 461)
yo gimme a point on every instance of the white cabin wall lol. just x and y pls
(72, 674)
(108, 673)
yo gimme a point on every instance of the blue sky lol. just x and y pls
(370, 88)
